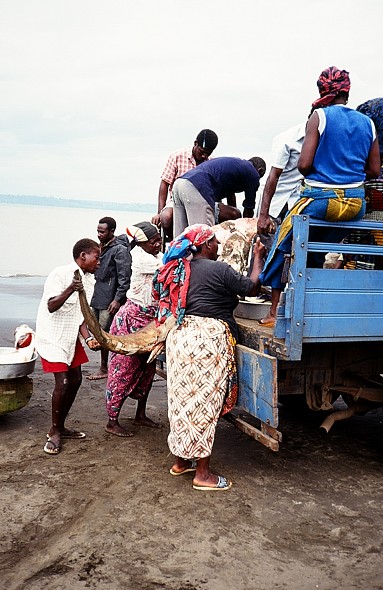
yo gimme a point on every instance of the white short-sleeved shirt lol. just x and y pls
(57, 332)
(286, 149)
(144, 266)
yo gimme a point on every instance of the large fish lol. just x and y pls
(235, 236)
(142, 341)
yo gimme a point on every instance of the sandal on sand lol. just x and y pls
(51, 448)
(122, 434)
(75, 434)
(193, 467)
(97, 376)
(221, 485)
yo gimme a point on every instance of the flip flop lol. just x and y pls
(55, 447)
(121, 434)
(187, 470)
(221, 485)
(97, 377)
(269, 324)
(74, 434)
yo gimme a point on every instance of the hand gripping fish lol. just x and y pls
(236, 238)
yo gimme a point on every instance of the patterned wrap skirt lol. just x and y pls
(128, 375)
(198, 359)
(320, 203)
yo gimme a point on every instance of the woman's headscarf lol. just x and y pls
(142, 231)
(188, 242)
(330, 83)
(171, 281)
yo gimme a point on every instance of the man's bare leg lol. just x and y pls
(102, 373)
(141, 418)
(269, 320)
(67, 384)
(166, 219)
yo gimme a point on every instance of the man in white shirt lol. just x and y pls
(283, 183)
(58, 326)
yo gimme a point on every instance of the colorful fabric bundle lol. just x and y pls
(171, 281)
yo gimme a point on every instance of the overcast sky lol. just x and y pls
(95, 94)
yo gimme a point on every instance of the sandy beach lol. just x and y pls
(106, 514)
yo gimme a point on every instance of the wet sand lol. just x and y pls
(106, 514)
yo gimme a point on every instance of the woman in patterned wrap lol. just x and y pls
(131, 376)
(202, 294)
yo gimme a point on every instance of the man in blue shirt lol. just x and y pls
(196, 193)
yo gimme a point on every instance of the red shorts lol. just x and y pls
(79, 358)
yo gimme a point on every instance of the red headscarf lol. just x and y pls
(330, 83)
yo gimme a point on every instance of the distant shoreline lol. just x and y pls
(21, 275)
(28, 200)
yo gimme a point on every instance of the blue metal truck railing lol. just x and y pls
(326, 305)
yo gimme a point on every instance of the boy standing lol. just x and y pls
(58, 327)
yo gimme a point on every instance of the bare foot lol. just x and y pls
(183, 466)
(118, 430)
(268, 321)
(97, 376)
(146, 422)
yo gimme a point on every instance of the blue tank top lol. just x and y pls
(343, 147)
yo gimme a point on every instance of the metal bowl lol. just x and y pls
(252, 308)
(16, 370)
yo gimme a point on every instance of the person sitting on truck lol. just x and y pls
(200, 350)
(334, 169)
(373, 108)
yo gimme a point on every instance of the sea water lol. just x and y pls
(35, 239)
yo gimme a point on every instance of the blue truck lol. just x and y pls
(327, 341)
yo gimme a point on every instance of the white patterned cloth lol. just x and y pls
(144, 266)
(57, 332)
(197, 377)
